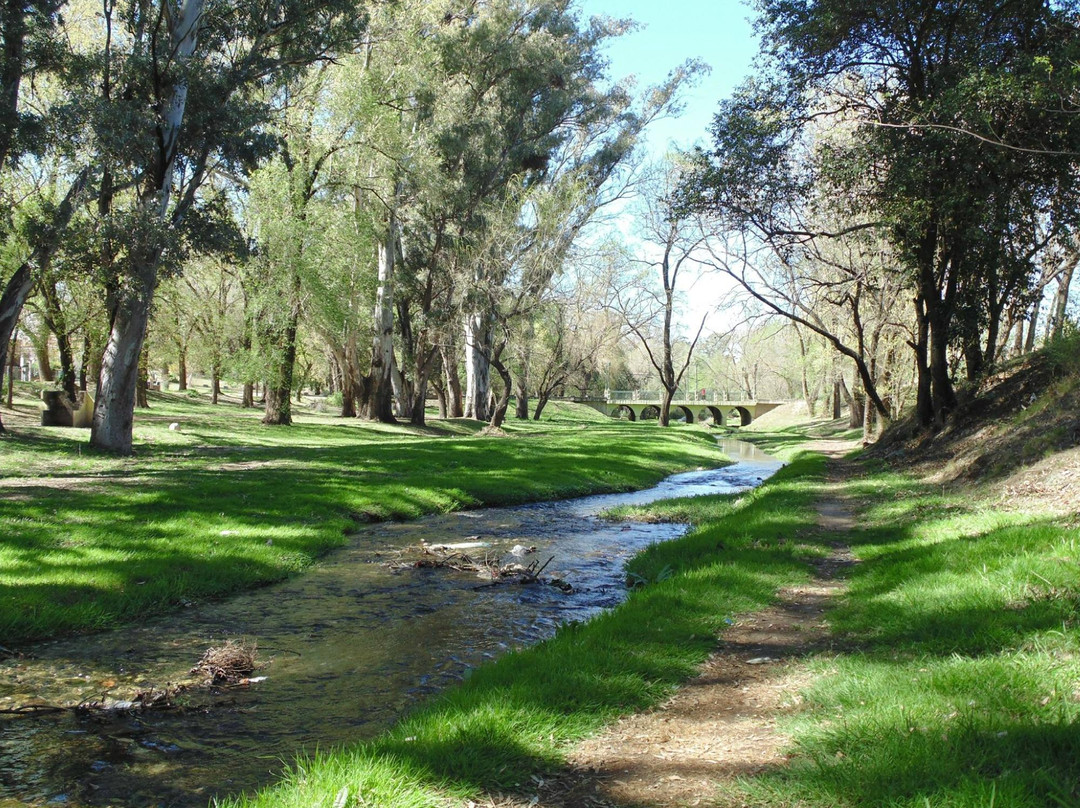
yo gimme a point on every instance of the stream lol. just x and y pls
(350, 645)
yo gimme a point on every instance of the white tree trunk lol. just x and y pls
(382, 356)
(478, 341)
(115, 404)
(114, 407)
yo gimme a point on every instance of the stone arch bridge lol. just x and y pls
(703, 407)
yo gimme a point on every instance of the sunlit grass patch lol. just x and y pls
(963, 685)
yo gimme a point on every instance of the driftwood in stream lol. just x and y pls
(230, 664)
(490, 567)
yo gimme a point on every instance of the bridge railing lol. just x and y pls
(704, 395)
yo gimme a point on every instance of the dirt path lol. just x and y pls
(720, 725)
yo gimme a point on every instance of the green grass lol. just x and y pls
(92, 541)
(962, 688)
(516, 717)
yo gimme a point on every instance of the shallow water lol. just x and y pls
(352, 644)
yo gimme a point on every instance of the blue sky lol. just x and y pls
(715, 31)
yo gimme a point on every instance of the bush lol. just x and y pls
(1063, 350)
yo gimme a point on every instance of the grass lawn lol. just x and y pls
(223, 503)
(962, 685)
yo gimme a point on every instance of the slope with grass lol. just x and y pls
(91, 541)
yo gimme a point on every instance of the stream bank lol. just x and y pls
(352, 644)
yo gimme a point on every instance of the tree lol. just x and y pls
(672, 246)
(927, 86)
(181, 109)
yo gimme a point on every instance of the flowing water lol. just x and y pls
(352, 644)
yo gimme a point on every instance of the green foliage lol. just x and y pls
(1063, 349)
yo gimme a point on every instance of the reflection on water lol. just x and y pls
(353, 644)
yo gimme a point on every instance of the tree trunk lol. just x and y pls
(215, 381)
(1033, 324)
(381, 396)
(181, 369)
(402, 389)
(502, 403)
(1061, 297)
(665, 407)
(869, 421)
(114, 407)
(855, 412)
(940, 374)
(54, 319)
(278, 410)
(453, 383)
(142, 382)
(541, 402)
(441, 397)
(424, 367)
(478, 343)
(924, 398)
(811, 400)
(84, 363)
(130, 310)
(521, 393)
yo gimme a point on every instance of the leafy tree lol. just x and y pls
(188, 89)
(960, 142)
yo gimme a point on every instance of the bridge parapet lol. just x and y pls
(703, 407)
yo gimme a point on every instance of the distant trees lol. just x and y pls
(672, 247)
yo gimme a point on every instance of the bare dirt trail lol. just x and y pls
(722, 724)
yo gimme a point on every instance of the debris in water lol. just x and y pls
(490, 568)
(228, 663)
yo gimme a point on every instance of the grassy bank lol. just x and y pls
(223, 503)
(515, 718)
(959, 685)
(962, 688)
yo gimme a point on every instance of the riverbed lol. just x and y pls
(347, 648)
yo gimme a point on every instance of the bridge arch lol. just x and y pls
(650, 413)
(681, 413)
(744, 415)
(624, 411)
(713, 414)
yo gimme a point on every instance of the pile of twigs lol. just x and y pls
(230, 663)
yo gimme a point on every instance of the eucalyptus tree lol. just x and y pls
(535, 111)
(184, 88)
(961, 133)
